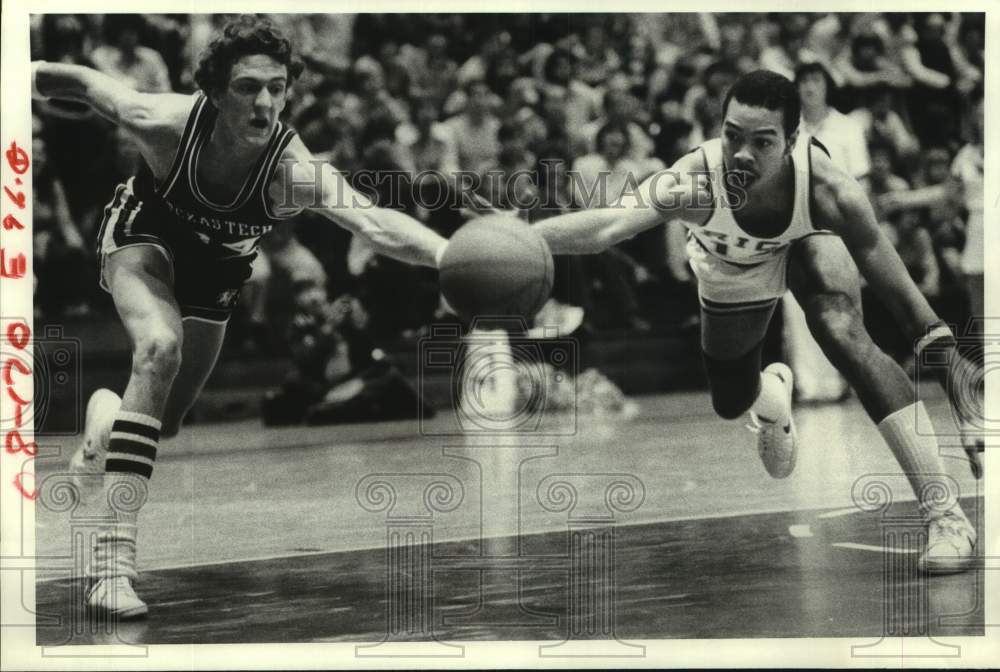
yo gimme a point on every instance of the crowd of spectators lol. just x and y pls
(559, 100)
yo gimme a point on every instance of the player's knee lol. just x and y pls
(157, 353)
(836, 323)
(730, 404)
(734, 382)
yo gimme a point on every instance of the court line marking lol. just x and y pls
(842, 512)
(460, 538)
(449, 539)
(800, 531)
(877, 549)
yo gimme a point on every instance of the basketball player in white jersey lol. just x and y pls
(176, 245)
(763, 217)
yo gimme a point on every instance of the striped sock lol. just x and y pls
(128, 466)
(132, 449)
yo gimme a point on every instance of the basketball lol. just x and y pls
(496, 265)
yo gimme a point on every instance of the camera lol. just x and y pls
(53, 360)
(498, 381)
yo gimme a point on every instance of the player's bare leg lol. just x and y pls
(202, 343)
(826, 283)
(140, 281)
(731, 339)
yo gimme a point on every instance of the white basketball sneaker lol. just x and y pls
(87, 464)
(951, 544)
(112, 572)
(115, 596)
(777, 444)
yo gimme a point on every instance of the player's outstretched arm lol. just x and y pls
(116, 102)
(306, 183)
(665, 196)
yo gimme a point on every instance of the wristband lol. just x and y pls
(934, 333)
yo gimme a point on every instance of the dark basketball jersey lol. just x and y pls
(234, 227)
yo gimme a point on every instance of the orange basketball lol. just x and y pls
(496, 266)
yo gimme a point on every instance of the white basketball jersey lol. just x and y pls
(723, 237)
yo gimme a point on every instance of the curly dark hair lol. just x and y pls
(767, 89)
(247, 34)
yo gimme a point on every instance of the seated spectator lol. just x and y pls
(735, 48)
(601, 179)
(620, 107)
(598, 60)
(880, 123)
(428, 143)
(704, 101)
(370, 86)
(287, 263)
(789, 52)
(125, 59)
(908, 232)
(434, 73)
(882, 179)
(474, 131)
(932, 101)
(966, 40)
(338, 374)
(62, 265)
(581, 103)
(840, 134)
(864, 64)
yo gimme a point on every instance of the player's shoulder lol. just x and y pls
(295, 153)
(832, 190)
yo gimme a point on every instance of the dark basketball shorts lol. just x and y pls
(207, 278)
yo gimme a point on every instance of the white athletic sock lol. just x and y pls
(128, 467)
(772, 402)
(918, 456)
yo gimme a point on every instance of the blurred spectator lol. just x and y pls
(967, 173)
(580, 102)
(703, 102)
(882, 179)
(908, 232)
(880, 123)
(124, 58)
(62, 266)
(735, 47)
(431, 147)
(620, 107)
(338, 375)
(789, 52)
(598, 59)
(840, 134)
(864, 64)
(369, 82)
(474, 131)
(434, 73)
(932, 98)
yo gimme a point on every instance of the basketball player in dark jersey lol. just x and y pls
(766, 210)
(176, 245)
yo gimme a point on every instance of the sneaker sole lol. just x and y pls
(784, 373)
(134, 613)
(942, 568)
